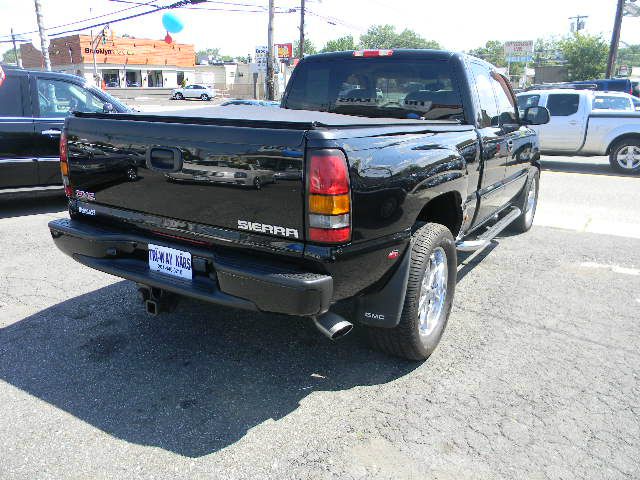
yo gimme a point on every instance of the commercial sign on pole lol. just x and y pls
(519, 51)
(261, 58)
(285, 50)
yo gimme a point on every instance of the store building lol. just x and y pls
(121, 62)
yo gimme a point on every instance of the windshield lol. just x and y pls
(526, 101)
(611, 103)
(105, 97)
(377, 87)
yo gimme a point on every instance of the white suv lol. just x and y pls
(194, 91)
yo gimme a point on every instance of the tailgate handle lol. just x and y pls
(164, 159)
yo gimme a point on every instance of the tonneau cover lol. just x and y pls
(270, 116)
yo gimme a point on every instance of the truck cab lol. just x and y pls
(33, 107)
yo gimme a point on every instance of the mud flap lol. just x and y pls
(384, 307)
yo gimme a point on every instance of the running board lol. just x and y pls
(485, 239)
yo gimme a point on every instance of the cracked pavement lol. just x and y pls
(537, 376)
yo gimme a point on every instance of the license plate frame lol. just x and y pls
(171, 262)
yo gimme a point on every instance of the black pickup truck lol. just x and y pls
(33, 106)
(381, 164)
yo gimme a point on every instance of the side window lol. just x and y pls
(11, 97)
(563, 104)
(636, 103)
(506, 103)
(57, 98)
(488, 106)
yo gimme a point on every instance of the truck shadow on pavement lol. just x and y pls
(18, 208)
(586, 167)
(191, 382)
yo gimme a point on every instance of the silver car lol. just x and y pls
(194, 91)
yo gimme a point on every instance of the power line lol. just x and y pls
(84, 20)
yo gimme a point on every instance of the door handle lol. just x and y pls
(573, 122)
(52, 131)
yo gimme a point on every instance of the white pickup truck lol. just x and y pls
(576, 128)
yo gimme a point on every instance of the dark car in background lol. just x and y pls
(33, 106)
(610, 85)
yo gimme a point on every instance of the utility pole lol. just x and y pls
(270, 81)
(579, 25)
(43, 36)
(15, 50)
(615, 39)
(301, 46)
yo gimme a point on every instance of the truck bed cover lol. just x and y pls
(270, 117)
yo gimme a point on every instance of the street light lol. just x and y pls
(101, 36)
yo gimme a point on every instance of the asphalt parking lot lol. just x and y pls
(537, 376)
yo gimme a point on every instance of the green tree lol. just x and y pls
(385, 37)
(629, 56)
(492, 52)
(585, 55)
(9, 56)
(208, 52)
(340, 44)
(546, 51)
(309, 47)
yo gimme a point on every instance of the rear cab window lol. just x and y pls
(384, 87)
(11, 96)
(611, 102)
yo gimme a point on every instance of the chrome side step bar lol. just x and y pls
(485, 239)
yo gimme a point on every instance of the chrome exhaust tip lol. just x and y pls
(332, 326)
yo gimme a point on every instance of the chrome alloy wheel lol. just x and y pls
(532, 199)
(628, 157)
(433, 292)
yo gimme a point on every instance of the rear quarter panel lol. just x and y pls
(393, 176)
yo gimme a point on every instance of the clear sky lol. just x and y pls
(456, 24)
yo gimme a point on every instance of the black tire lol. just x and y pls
(629, 167)
(204, 97)
(524, 222)
(405, 340)
(179, 96)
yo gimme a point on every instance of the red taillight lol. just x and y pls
(373, 53)
(64, 165)
(325, 235)
(328, 202)
(328, 173)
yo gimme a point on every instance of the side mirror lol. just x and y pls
(535, 116)
(108, 108)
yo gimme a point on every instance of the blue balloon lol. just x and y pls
(172, 23)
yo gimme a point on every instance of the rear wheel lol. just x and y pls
(427, 304)
(179, 96)
(528, 203)
(625, 156)
(204, 97)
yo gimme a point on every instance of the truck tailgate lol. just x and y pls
(234, 177)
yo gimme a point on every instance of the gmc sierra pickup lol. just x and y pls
(383, 163)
